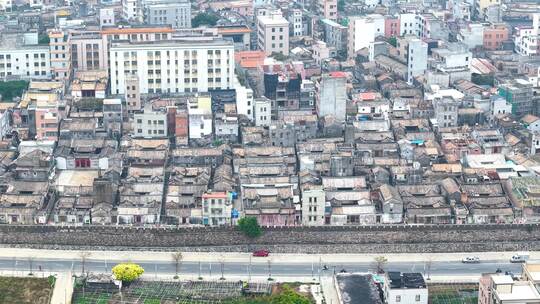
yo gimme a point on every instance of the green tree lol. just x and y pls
(127, 272)
(278, 56)
(480, 79)
(44, 39)
(379, 263)
(392, 41)
(10, 89)
(341, 5)
(204, 19)
(250, 227)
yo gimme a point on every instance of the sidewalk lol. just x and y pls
(63, 288)
(144, 256)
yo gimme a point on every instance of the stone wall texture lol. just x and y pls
(363, 239)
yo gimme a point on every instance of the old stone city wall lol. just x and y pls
(363, 239)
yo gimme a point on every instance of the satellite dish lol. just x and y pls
(416, 165)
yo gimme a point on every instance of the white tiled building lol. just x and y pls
(150, 124)
(21, 56)
(273, 33)
(186, 65)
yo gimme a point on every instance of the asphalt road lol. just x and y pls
(260, 267)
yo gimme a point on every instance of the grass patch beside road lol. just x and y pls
(25, 290)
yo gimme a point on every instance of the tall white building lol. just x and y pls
(60, 49)
(21, 56)
(106, 17)
(273, 33)
(176, 66)
(174, 12)
(363, 31)
(313, 204)
(262, 108)
(244, 100)
(414, 52)
(132, 93)
(526, 39)
(132, 10)
(295, 22)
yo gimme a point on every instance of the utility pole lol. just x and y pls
(249, 269)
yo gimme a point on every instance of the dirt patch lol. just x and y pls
(25, 290)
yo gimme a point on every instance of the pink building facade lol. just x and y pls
(391, 27)
(46, 124)
(495, 36)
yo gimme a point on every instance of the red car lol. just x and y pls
(261, 253)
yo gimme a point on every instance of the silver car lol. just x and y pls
(471, 260)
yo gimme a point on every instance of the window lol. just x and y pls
(417, 298)
(398, 298)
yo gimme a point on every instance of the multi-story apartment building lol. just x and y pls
(106, 17)
(313, 204)
(182, 65)
(526, 38)
(132, 93)
(295, 22)
(216, 208)
(88, 51)
(22, 57)
(273, 33)
(414, 52)
(132, 10)
(328, 9)
(113, 117)
(481, 7)
(335, 34)
(133, 34)
(60, 50)
(453, 59)
(519, 93)
(171, 12)
(262, 109)
(244, 100)
(363, 31)
(495, 35)
(150, 123)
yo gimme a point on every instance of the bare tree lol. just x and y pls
(84, 255)
(380, 263)
(177, 258)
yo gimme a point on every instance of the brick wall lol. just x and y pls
(395, 238)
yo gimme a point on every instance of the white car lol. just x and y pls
(470, 260)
